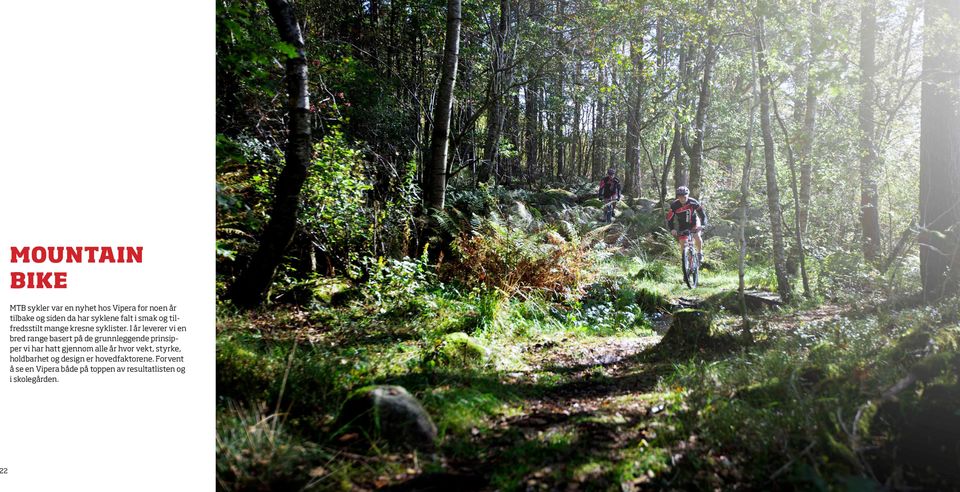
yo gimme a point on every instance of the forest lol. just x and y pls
(446, 252)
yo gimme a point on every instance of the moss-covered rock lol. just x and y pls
(459, 350)
(556, 197)
(757, 301)
(390, 413)
(593, 202)
(651, 300)
(690, 328)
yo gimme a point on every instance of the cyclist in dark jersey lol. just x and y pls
(687, 212)
(609, 192)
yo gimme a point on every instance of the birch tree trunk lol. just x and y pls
(436, 180)
(253, 285)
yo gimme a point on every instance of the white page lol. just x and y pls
(107, 131)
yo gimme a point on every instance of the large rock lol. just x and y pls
(593, 202)
(644, 205)
(389, 413)
(690, 328)
(461, 350)
(556, 197)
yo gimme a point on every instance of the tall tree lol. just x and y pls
(680, 172)
(531, 96)
(695, 149)
(634, 175)
(940, 150)
(745, 194)
(869, 203)
(809, 118)
(798, 237)
(499, 80)
(769, 158)
(252, 286)
(436, 170)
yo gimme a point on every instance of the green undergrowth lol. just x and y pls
(458, 349)
(800, 406)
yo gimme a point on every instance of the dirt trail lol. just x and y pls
(599, 404)
(596, 410)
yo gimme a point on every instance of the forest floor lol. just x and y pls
(583, 394)
(585, 429)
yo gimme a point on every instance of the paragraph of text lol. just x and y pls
(50, 343)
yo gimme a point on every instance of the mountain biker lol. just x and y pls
(609, 191)
(687, 212)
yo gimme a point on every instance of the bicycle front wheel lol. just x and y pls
(691, 268)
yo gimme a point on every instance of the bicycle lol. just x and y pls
(690, 261)
(608, 209)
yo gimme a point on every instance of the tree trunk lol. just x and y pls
(436, 180)
(577, 151)
(251, 287)
(798, 237)
(532, 125)
(498, 83)
(633, 174)
(769, 158)
(560, 114)
(745, 202)
(676, 155)
(599, 121)
(558, 127)
(869, 214)
(809, 121)
(700, 120)
(680, 177)
(940, 151)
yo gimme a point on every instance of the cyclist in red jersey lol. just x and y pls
(687, 212)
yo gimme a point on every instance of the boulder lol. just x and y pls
(389, 413)
(644, 205)
(520, 213)
(556, 197)
(626, 214)
(593, 202)
(690, 328)
(461, 350)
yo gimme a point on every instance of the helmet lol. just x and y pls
(611, 171)
(683, 190)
